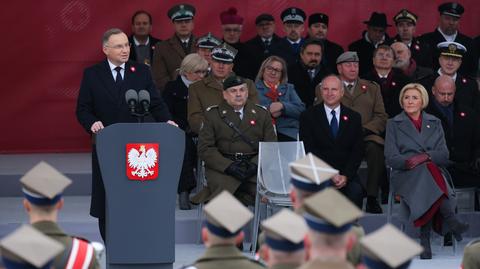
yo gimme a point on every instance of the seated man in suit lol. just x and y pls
(334, 133)
(228, 143)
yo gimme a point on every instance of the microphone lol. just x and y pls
(144, 97)
(131, 96)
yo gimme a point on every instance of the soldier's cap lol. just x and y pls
(317, 18)
(26, 247)
(224, 53)
(230, 16)
(378, 20)
(208, 41)
(388, 247)
(285, 231)
(311, 174)
(226, 215)
(348, 56)
(327, 264)
(43, 185)
(293, 15)
(330, 212)
(181, 12)
(264, 17)
(453, 49)
(451, 9)
(232, 81)
(405, 15)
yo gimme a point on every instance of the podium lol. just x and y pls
(140, 213)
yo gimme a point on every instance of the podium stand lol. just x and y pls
(140, 214)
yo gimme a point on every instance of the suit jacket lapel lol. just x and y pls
(249, 118)
(427, 130)
(407, 127)
(324, 120)
(107, 79)
(342, 122)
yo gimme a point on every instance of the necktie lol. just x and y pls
(296, 47)
(118, 77)
(334, 124)
(311, 72)
(350, 88)
(239, 114)
(185, 45)
(383, 80)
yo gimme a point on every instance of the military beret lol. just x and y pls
(181, 12)
(453, 49)
(224, 53)
(264, 17)
(293, 14)
(452, 9)
(405, 15)
(208, 41)
(348, 56)
(232, 81)
(317, 18)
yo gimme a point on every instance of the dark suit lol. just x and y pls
(99, 99)
(344, 152)
(421, 51)
(152, 41)
(365, 50)
(241, 63)
(470, 59)
(463, 141)
(304, 85)
(258, 52)
(330, 53)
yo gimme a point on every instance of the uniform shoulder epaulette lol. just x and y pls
(211, 107)
(261, 106)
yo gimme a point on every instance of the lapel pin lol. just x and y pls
(132, 68)
(252, 122)
(463, 114)
(464, 80)
(393, 83)
(224, 112)
(428, 126)
(254, 112)
(364, 88)
(345, 118)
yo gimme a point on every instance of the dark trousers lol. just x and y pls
(187, 178)
(463, 176)
(354, 191)
(284, 138)
(377, 174)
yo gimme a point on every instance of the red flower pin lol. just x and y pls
(253, 122)
(364, 88)
(393, 83)
(280, 94)
(345, 118)
(464, 80)
(417, 47)
(132, 68)
(463, 114)
(153, 47)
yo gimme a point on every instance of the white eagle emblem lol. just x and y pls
(141, 162)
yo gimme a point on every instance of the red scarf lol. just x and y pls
(272, 94)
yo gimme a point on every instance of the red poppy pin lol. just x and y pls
(345, 118)
(364, 88)
(253, 122)
(463, 114)
(393, 83)
(417, 47)
(132, 68)
(464, 80)
(153, 47)
(280, 94)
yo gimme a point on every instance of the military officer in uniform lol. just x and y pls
(471, 255)
(284, 234)
(228, 143)
(43, 186)
(28, 248)
(293, 20)
(168, 54)
(388, 248)
(406, 23)
(205, 45)
(225, 218)
(209, 91)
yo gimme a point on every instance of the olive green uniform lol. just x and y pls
(217, 138)
(52, 230)
(225, 256)
(208, 92)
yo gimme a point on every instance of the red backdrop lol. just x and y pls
(48, 43)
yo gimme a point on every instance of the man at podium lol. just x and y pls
(101, 102)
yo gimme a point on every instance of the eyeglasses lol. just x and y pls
(120, 46)
(273, 69)
(201, 72)
(235, 30)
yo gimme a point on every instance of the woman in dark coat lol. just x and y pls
(175, 94)
(416, 151)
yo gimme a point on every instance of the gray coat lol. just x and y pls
(416, 187)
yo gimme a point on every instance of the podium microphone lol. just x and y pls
(131, 96)
(144, 98)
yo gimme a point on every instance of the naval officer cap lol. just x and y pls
(27, 247)
(451, 9)
(43, 185)
(388, 247)
(452, 49)
(321, 218)
(226, 215)
(224, 53)
(318, 18)
(311, 174)
(208, 41)
(348, 57)
(405, 15)
(181, 12)
(285, 231)
(293, 15)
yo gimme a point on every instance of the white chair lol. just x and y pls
(273, 178)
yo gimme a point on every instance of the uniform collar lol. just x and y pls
(48, 227)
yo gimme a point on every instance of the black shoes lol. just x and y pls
(458, 228)
(425, 242)
(184, 201)
(373, 206)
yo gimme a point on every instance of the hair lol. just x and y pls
(311, 41)
(106, 36)
(138, 12)
(191, 63)
(269, 60)
(330, 241)
(282, 257)
(415, 86)
(383, 47)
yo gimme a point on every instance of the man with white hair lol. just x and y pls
(405, 62)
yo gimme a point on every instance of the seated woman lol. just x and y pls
(415, 148)
(279, 97)
(175, 94)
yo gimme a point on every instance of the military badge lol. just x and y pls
(142, 161)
